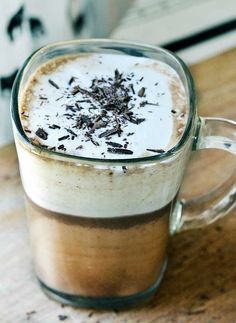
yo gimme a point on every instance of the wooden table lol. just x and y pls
(200, 284)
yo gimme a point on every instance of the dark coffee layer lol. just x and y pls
(98, 257)
(111, 223)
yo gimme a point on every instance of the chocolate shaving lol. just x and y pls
(68, 115)
(62, 147)
(141, 92)
(88, 135)
(173, 111)
(159, 151)
(43, 97)
(78, 89)
(82, 101)
(54, 126)
(78, 107)
(79, 147)
(61, 97)
(42, 134)
(120, 151)
(143, 103)
(54, 84)
(127, 117)
(152, 103)
(84, 120)
(71, 132)
(27, 130)
(75, 90)
(91, 109)
(132, 88)
(117, 74)
(72, 79)
(70, 107)
(63, 138)
(114, 144)
(98, 118)
(94, 142)
(137, 120)
(63, 317)
(108, 133)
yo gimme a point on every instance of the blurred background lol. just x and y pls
(195, 30)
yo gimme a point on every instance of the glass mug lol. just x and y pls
(99, 229)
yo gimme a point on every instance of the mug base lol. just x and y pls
(117, 302)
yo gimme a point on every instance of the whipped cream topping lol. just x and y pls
(104, 106)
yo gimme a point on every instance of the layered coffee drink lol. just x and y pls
(98, 197)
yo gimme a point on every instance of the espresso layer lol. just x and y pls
(111, 222)
(105, 259)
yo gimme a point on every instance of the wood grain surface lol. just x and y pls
(200, 283)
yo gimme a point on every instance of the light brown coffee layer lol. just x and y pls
(98, 257)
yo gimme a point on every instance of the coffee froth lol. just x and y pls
(105, 106)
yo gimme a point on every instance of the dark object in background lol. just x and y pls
(79, 22)
(36, 27)
(6, 82)
(15, 22)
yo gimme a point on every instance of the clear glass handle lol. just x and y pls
(197, 212)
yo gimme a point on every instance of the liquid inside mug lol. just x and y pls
(82, 258)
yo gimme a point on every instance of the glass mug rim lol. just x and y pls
(108, 44)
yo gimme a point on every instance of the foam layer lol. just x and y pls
(105, 106)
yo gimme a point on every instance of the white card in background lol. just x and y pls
(162, 22)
